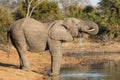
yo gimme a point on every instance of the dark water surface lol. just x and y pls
(105, 71)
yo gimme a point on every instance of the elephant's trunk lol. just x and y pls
(92, 28)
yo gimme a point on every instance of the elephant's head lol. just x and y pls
(70, 24)
(69, 28)
(76, 26)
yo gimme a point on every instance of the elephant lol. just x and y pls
(28, 34)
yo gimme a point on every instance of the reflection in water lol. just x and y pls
(83, 75)
(106, 71)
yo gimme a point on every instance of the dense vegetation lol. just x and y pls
(5, 20)
(45, 12)
(106, 15)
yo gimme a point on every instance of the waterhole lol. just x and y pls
(106, 71)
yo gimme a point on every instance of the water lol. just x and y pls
(106, 71)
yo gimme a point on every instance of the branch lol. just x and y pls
(35, 7)
(28, 9)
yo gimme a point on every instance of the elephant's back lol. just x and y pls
(32, 23)
(27, 23)
(31, 32)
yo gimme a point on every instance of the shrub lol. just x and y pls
(5, 20)
(46, 11)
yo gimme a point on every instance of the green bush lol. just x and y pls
(45, 12)
(21, 11)
(111, 18)
(5, 20)
(109, 26)
(74, 11)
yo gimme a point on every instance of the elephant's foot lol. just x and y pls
(21, 66)
(55, 77)
(25, 68)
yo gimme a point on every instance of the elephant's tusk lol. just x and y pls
(89, 30)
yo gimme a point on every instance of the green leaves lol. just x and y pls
(6, 19)
(112, 17)
(46, 11)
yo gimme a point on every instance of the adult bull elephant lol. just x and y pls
(30, 35)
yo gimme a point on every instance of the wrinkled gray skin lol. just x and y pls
(30, 35)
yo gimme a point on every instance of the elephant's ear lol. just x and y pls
(59, 32)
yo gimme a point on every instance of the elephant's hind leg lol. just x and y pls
(21, 49)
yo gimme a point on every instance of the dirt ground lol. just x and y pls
(73, 54)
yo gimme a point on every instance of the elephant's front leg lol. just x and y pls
(56, 56)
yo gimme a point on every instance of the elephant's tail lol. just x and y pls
(8, 43)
